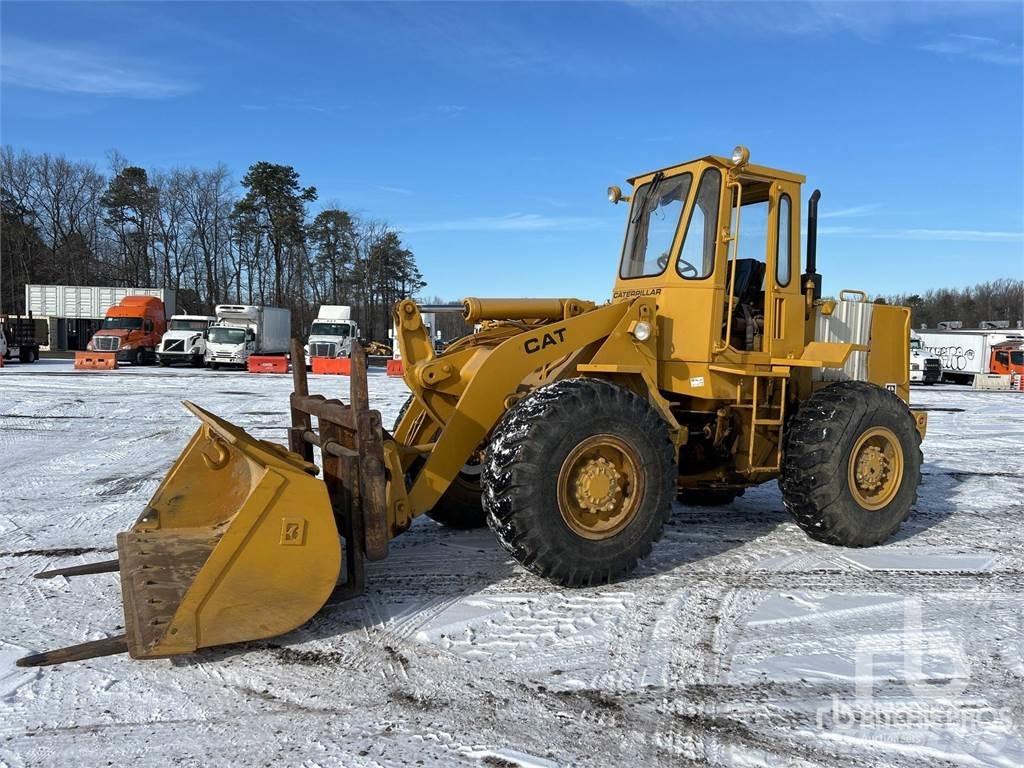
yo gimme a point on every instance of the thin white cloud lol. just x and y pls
(64, 69)
(969, 235)
(512, 222)
(952, 235)
(394, 190)
(976, 47)
(852, 211)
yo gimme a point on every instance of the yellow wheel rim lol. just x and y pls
(876, 468)
(600, 487)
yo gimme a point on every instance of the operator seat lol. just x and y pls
(748, 305)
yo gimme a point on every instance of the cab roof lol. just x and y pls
(749, 169)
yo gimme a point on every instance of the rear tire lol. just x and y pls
(460, 507)
(851, 464)
(578, 481)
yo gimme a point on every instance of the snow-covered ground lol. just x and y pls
(739, 642)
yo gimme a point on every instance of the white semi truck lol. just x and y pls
(332, 333)
(242, 330)
(966, 353)
(184, 341)
(925, 367)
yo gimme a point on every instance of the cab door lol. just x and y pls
(784, 319)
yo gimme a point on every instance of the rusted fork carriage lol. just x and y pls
(242, 541)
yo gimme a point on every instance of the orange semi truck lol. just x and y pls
(131, 332)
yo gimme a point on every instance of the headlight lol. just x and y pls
(89, 346)
(642, 331)
(127, 347)
(915, 367)
(740, 155)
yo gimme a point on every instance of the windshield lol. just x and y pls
(189, 325)
(1017, 358)
(330, 329)
(122, 323)
(653, 222)
(915, 344)
(227, 335)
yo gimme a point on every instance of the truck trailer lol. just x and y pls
(242, 330)
(18, 339)
(966, 353)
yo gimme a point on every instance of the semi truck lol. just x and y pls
(925, 368)
(242, 330)
(966, 353)
(131, 332)
(332, 333)
(185, 340)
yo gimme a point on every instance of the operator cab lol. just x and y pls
(718, 242)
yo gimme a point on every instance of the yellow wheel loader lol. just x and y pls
(568, 427)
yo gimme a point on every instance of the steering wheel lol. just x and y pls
(686, 269)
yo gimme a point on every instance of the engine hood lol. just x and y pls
(187, 335)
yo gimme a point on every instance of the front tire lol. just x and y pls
(578, 481)
(851, 464)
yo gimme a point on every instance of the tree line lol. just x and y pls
(1001, 299)
(195, 231)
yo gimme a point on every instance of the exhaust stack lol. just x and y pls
(812, 245)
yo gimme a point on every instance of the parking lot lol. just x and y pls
(739, 641)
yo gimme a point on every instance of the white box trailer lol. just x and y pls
(242, 330)
(967, 353)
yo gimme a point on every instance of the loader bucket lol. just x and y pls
(96, 361)
(242, 540)
(238, 543)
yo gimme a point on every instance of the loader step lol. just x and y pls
(157, 569)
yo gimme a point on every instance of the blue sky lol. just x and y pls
(487, 133)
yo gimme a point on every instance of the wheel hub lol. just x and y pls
(872, 468)
(600, 486)
(875, 468)
(597, 485)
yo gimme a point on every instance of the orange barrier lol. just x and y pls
(268, 364)
(96, 361)
(395, 368)
(339, 365)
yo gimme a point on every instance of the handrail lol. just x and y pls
(734, 238)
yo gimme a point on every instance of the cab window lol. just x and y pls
(653, 223)
(1003, 358)
(783, 253)
(697, 258)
